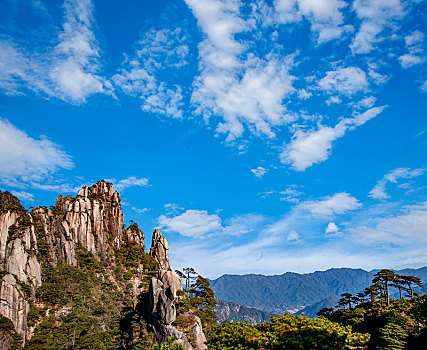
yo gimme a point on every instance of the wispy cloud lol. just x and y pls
(415, 46)
(339, 203)
(325, 16)
(259, 171)
(380, 189)
(130, 181)
(375, 16)
(311, 147)
(191, 223)
(24, 196)
(406, 227)
(69, 70)
(141, 73)
(25, 159)
(76, 63)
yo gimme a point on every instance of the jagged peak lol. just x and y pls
(160, 250)
(101, 190)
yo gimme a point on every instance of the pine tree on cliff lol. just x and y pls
(385, 277)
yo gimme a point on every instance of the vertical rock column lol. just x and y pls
(163, 293)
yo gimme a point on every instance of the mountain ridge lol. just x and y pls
(291, 291)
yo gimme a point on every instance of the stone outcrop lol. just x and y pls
(14, 304)
(134, 234)
(18, 261)
(163, 294)
(160, 250)
(93, 219)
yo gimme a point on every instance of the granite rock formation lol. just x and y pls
(163, 296)
(160, 250)
(93, 220)
(88, 226)
(18, 262)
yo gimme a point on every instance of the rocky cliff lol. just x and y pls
(73, 275)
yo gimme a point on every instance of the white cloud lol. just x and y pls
(242, 224)
(164, 101)
(68, 71)
(201, 224)
(259, 171)
(191, 223)
(252, 95)
(157, 51)
(345, 81)
(291, 194)
(332, 228)
(303, 94)
(367, 102)
(424, 87)
(235, 84)
(25, 158)
(325, 16)
(376, 15)
(140, 211)
(76, 70)
(415, 55)
(409, 60)
(129, 182)
(339, 203)
(308, 148)
(405, 228)
(58, 187)
(293, 236)
(379, 191)
(24, 196)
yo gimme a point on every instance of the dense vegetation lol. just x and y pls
(369, 320)
(286, 332)
(393, 323)
(85, 306)
(197, 298)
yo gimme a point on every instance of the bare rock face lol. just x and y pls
(14, 304)
(18, 246)
(93, 219)
(6, 340)
(198, 338)
(135, 235)
(18, 250)
(160, 250)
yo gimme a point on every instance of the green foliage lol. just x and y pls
(7, 328)
(168, 345)
(203, 300)
(286, 332)
(394, 327)
(132, 255)
(85, 306)
(9, 202)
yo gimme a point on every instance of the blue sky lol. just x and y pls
(260, 137)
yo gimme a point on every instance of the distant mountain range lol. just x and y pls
(297, 293)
